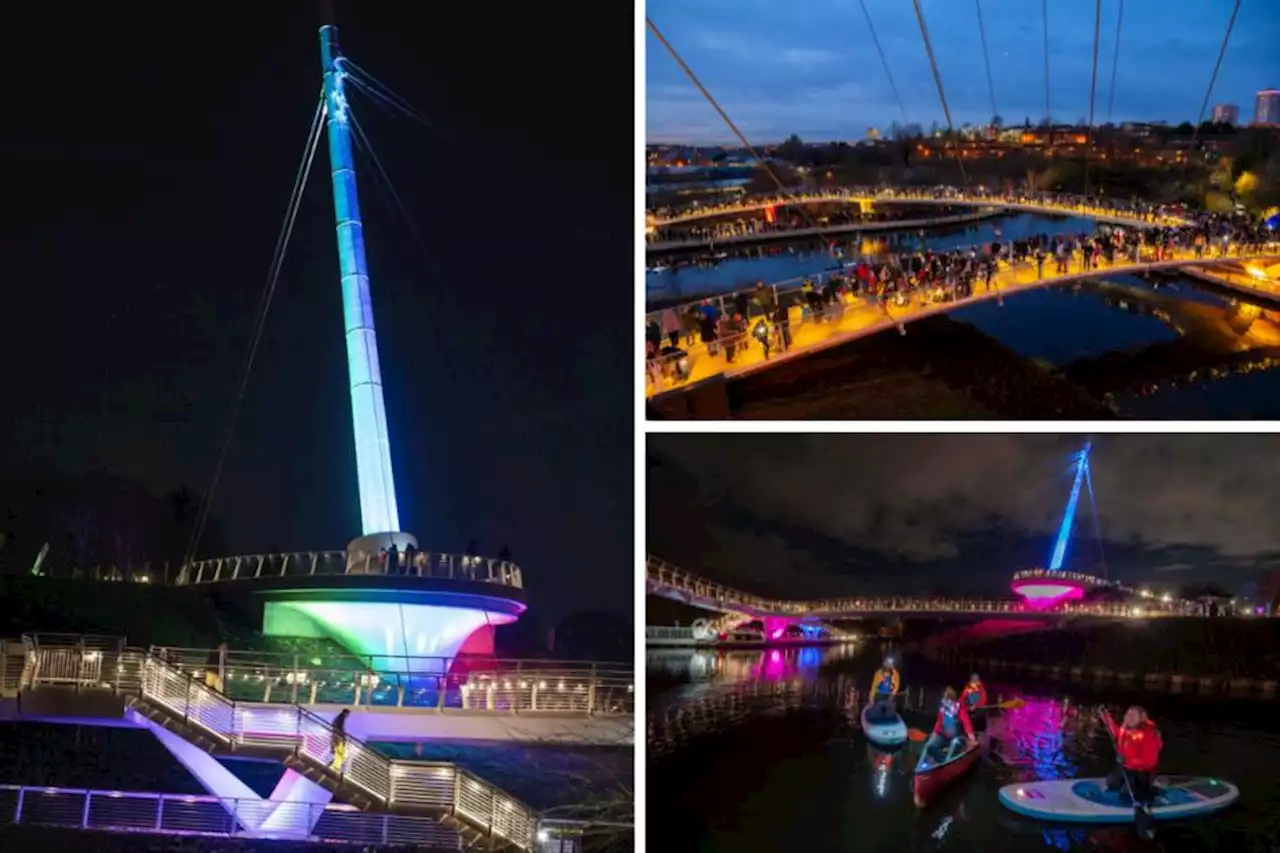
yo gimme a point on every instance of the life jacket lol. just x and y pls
(949, 717)
(884, 682)
(974, 694)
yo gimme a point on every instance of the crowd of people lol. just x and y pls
(762, 315)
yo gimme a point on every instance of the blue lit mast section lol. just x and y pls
(378, 511)
(1069, 517)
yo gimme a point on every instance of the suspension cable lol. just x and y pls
(260, 322)
(1093, 91)
(1208, 93)
(1044, 15)
(376, 89)
(986, 59)
(1115, 61)
(693, 78)
(884, 62)
(942, 96)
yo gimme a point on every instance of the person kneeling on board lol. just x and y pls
(884, 687)
(1138, 745)
(952, 717)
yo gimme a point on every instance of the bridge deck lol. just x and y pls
(860, 316)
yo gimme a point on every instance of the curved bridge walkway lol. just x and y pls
(858, 317)
(667, 581)
(1051, 205)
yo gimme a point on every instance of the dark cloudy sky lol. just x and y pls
(809, 516)
(810, 68)
(149, 152)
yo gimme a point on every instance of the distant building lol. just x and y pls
(1226, 114)
(1266, 107)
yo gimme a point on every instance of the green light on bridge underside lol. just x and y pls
(415, 638)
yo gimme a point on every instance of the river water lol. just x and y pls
(755, 751)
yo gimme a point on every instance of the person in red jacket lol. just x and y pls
(1138, 745)
(952, 717)
(974, 695)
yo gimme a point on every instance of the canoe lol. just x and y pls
(930, 779)
(884, 731)
(1089, 801)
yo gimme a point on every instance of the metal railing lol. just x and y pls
(422, 564)
(437, 786)
(178, 814)
(1061, 203)
(150, 813)
(822, 319)
(662, 576)
(478, 684)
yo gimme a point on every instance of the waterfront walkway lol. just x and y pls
(854, 317)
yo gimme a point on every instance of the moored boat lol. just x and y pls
(933, 777)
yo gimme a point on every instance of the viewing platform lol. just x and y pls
(856, 317)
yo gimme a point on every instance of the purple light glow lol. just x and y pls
(1041, 595)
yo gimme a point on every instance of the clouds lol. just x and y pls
(759, 59)
(1170, 503)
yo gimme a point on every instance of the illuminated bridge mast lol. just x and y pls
(1050, 586)
(1069, 517)
(379, 516)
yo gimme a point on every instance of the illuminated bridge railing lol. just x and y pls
(178, 814)
(1067, 205)
(474, 684)
(664, 577)
(424, 564)
(440, 788)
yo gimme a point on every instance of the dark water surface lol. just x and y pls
(755, 751)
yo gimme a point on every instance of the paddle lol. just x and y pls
(918, 736)
(1141, 818)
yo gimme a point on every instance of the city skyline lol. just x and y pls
(777, 74)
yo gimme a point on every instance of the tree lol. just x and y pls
(996, 121)
(1194, 591)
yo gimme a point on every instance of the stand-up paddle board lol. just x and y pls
(1089, 801)
(883, 729)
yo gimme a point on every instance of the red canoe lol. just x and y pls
(932, 779)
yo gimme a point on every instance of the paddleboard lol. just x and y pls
(1089, 801)
(884, 731)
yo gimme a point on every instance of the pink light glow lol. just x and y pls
(1042, 594)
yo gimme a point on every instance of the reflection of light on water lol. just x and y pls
(1033, 736)
(810, 657)
(1064, 839)
(941, 832)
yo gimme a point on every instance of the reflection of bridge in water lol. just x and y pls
(853, 318)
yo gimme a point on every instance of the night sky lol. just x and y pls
(811, 516)
(149, 154)
(811, 68)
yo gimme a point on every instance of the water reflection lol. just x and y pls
(757, 751)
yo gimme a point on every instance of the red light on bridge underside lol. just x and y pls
(770, 214)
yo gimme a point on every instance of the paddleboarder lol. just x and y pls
(1138, 745)
(952, 717)
(884, 687)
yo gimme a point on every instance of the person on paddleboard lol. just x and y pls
(884, 687)
(952, 717)
(1138, 745)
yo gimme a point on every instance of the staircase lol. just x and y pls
(478, 812)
